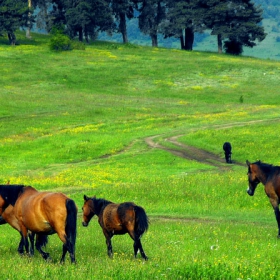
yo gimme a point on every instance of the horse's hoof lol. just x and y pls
(46, 256)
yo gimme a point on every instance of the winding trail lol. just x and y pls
(200, 155)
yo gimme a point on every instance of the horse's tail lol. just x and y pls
(71, 225)
(141, 220)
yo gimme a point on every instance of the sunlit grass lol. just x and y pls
(76, 122)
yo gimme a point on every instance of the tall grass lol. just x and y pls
(76, 122)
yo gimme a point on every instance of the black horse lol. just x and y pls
(269, 176)
(227, 150)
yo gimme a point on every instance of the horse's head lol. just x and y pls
(88, 210)
(252, 177)
(8, 195)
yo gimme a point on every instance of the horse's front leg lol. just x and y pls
(31, 238)
(42, 240)
(21, 245)
(108, 236)
(275, 205)
(25, 242)
(277, 216)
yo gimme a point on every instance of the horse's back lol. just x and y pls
(42, 211)
(115, 217)
(126, 211)
(275, 179)
(227, 147)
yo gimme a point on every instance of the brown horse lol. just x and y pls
(8, 215)
(47, 213)
(115, 218)
(269, 176)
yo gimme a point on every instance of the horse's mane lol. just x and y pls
(10, 193)
(266, 167)
(100, 204)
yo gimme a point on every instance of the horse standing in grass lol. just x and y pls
(48, 213)
(269, 176)
(227, 150)
(115, 218)
(8, 194)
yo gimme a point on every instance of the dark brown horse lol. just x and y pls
(269, 176)
(115, 218)
(42, 213)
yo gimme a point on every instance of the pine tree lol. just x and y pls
(182, 20)
(236, 22)
(13, 14)
(83, 18)
(152, 13)
(122, 10)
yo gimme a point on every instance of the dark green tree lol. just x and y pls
(182, 20)
(122, 10)
(152, 13)
(13, 14)
(83, 18)
(236, 22)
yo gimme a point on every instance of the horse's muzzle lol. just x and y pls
(250, 192)
(85, 224)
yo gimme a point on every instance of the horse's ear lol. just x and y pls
(248, 162)
(86, 198)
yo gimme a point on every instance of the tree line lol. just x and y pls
(235, 23)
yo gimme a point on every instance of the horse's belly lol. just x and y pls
(39, 226)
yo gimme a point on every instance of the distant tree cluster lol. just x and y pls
(236, 23)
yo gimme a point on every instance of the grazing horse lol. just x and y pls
(269, 176)
(227, 150)
(115, 218)
(47, 213)
(8, 194)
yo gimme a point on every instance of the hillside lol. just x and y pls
(147, 125)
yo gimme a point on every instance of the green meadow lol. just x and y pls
(77, 122)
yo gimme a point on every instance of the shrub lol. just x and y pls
(233, 47)
(77, 45)
(60, 42)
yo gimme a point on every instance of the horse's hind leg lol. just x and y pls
(138, 245)
(64, 251)
(67, 247)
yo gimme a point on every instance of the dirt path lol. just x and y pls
(200, 155)
(189, 152)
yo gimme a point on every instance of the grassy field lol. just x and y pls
(77, 122)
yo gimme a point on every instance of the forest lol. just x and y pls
(235, 23)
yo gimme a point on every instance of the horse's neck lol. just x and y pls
(28, 191)
(264, 175)
(100, 206)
